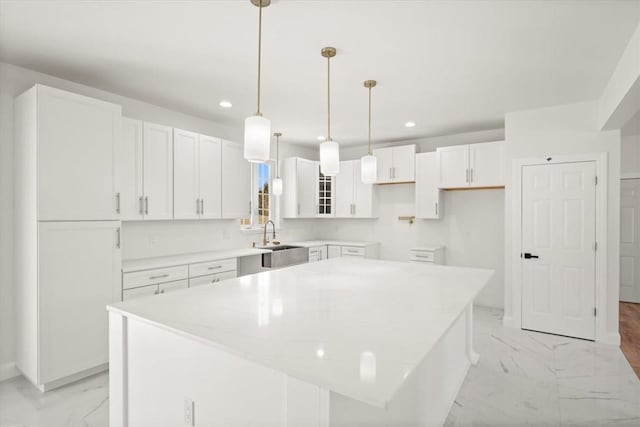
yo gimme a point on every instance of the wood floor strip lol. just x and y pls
(630, 334)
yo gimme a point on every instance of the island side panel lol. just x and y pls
(425, 399)
(117, 370)
(166, 371)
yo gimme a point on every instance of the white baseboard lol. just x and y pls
(8, 370)
(507, 322)
(612, 338)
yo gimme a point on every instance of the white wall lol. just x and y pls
(559, 130)
(472, 228)
(140, 239)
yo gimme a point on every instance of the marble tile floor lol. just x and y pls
(523, 378)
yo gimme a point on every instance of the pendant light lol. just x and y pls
(369, 163)
(276, 184)
(329, 149)
(257, 129)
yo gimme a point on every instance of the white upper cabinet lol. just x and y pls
(396, 164)
(196, 176)
(210, 170)
(453, 166)
(236, 186)
(354, 199)
(300, 178)
(130, 170)
(487, 164)
(77, 140)
(157, 171)
(186, 175)
(428, 195)
(472, 166)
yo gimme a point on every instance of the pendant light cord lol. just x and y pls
(328, 98)
(369, 121)
(277, 156)
(259, 53)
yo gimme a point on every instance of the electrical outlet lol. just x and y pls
(189, 415)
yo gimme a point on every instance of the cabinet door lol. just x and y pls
(487, 164)
(130, 170)
(307, 184)
(211, 279)
(404, 163)
(384, 157)
(173, 286)
(362, 195)
(345, 190)
(158, 171)
(428, 196)
(453, 166)
(236, 182)
(144, 291)
(79, 274)
(210, 177)
(77, 142)
(186, 176)
(334, 251)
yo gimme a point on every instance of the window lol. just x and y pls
(261, 201)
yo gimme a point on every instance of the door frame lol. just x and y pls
(601, 165)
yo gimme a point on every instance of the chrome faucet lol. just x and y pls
(264, 234)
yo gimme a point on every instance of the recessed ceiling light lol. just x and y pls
(410, 124)
(320, 353)
(321, 138)
(225, 104)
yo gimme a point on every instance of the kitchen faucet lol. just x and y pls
(264, 234)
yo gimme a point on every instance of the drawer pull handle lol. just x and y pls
(422, 256)
(161, 276)
(215, 267)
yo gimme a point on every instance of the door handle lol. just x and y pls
(118, 203)
(146, 205)
(436, 208)
(118, 238)
(527, 255)
(141, 200)
(197, 206)
(201, 206)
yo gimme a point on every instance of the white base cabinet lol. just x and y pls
(61, 319)
(428, 195)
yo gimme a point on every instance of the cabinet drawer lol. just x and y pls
(422, 256)
(211, 278)
(139, 292)
(211, 267)
(352, 251)
(150, 277)
(173, 286)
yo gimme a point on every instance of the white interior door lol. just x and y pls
(344, 189)
(558, 248)
(186, 175)
(629, 240)
(210, 177)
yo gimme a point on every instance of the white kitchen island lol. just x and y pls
(334, 343)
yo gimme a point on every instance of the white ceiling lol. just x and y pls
(450, 66)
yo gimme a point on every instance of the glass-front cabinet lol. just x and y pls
(326, 195)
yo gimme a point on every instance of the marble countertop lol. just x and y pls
(312, 243)
(355, 326)
(129, 265)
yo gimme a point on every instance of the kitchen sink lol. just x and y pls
(284, 255)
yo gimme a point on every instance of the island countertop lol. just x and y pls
(358, 327)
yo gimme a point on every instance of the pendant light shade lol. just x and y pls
(257, 129)
(276, 183)
(329, 149)
(329, 158)
(369, 169)
(369, 163)
(257, 138)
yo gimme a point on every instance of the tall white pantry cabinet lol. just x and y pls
(67, 234)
